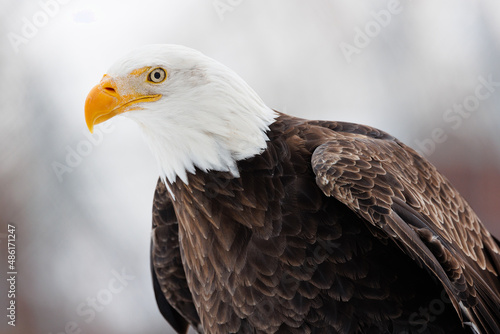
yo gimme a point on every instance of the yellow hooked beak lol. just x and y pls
(105, 101)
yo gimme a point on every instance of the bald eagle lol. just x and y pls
(268, 223)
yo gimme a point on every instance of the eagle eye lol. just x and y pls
(157, 75)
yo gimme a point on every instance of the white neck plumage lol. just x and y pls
(209, 126)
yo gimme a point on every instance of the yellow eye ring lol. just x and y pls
(157, 75)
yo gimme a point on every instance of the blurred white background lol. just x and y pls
(81, 204)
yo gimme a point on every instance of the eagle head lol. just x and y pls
(194, 111)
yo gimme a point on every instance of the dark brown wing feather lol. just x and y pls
(177, 321)
(169, 280)
(398, 191)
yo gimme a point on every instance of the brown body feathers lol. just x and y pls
(335, 228)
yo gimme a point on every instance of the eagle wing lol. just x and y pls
(169, 280)
(395, 190)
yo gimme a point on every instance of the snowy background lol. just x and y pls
(424, 71)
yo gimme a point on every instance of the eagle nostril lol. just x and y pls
(110, 90)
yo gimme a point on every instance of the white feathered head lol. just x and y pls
(195, 112)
